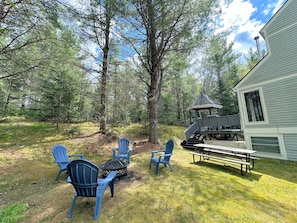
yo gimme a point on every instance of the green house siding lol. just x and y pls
(286, 17)
(275, 77)
(281, 59)
(281, 109)
(291, 146)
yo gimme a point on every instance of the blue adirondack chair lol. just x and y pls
(83, 175)
(164, 156)
(62, 159)
(123, 151)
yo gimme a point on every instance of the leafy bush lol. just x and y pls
(11, 213)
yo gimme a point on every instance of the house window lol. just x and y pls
(253, 106)
(266, 144)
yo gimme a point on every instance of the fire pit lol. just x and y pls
(114, 164)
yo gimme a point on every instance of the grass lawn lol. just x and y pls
(206, 192)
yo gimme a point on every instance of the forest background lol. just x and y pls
(115, 62)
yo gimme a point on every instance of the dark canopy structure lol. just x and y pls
(204, 102)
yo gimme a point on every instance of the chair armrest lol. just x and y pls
(57, 161)
(129, 151)
(165, 155)
(77, 155)
(158, 151)
(114, 151)
(108, 179)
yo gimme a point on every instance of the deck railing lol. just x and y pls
(191, 130)
(221, 122)
(214, 125)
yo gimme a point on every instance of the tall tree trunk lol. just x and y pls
(168, 27)
(102, 111)
(103, 127)
(153, 114)
(154, 74)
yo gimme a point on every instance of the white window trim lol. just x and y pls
(244, 110)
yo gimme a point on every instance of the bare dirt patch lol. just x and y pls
(102, 144)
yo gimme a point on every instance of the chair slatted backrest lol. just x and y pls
(60, 153)
(123, 145)
(84, 177)
(168, 149)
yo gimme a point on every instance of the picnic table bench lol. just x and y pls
(226, 154)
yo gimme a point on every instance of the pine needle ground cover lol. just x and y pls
(205, 192)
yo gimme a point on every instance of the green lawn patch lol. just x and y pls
(204, 192)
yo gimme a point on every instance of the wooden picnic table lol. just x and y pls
(225, 153)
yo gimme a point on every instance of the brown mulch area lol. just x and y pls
(101, 144)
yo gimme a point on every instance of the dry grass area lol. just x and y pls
(27, 167)
(205, 192)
